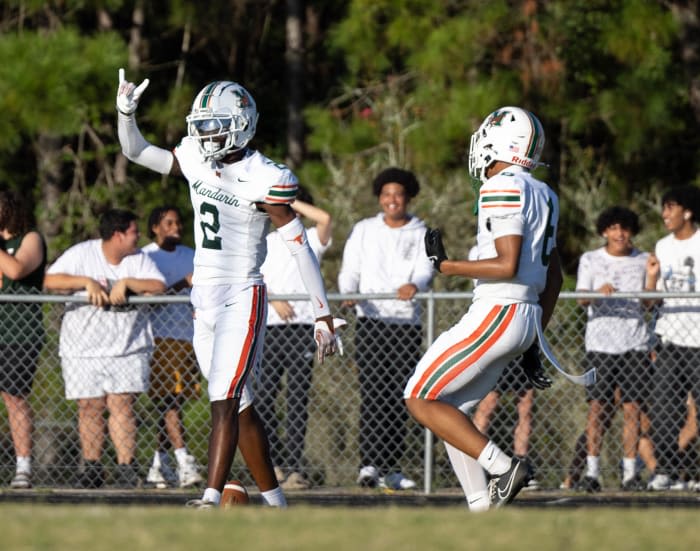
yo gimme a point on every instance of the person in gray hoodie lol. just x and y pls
(386, 254)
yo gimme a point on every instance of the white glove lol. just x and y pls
(128, 94)
(327, 342)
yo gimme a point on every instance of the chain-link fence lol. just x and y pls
(330, 451)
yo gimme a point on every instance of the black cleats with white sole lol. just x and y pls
(503, 488)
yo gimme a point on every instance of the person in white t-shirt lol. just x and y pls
(617, 342)
(519, 278)
(673, 268)
(236, 193)
(106, 345)
(289, 346)
(385, 254)
(174, 369)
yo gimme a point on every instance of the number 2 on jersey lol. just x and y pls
(209, 230)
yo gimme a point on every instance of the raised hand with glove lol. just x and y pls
(128, 94)
(328, 342)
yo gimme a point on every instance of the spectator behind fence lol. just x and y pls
(236, 193)
(673, 268)
(22, 263)
(616, 342)
(289, 346)
(174, 370)
(519, 278)
(106, 345)
(385, 254)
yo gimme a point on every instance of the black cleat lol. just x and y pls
(504, 488)
(590, 485)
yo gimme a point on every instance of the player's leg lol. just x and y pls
(471, 477)
(457, 371)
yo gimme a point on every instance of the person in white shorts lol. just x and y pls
(235, 192)
(105, 345)
(519, 278)
(174, 370)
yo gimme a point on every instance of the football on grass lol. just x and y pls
(234, 494)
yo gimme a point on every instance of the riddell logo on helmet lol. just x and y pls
(527, 163)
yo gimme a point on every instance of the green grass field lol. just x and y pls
(104, 528)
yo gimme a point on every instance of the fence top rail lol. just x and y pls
(439, 295)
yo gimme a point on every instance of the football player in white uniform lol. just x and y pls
(519, 278)
(235, 192)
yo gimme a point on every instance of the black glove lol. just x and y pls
(434, 247)
(533, 368)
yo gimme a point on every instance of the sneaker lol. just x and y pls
(126, 476)
(155, 478)
(200, 504)
(92, 476)
(368, 477)
(633, 484)
(279, 474)
(396, 481)
(21, 481)
(188, 472)
(659, 482)
(590, 485)
(678, 485)
(296, 481)
(503, 488)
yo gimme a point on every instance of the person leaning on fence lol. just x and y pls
(674, 268)
(22, 263)
(106, 344)
(519, 278)
(289, 346)
(385, 254)
(174, 369)
(236, 192)
(616, 341)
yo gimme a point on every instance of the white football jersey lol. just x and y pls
(513, 202)
(229, 230)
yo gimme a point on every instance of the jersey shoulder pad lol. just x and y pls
(281, 184)
(503, 190)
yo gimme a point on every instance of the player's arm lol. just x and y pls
(293, 234)
(134, 145)
(550, 294)
(503, 266)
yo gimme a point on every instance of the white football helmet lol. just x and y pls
(509, 134)
(223, 119)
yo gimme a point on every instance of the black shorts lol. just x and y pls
(17, 367)
(513, 379)
(629, 371)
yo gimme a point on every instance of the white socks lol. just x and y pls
(493, 459)
(180, 455)
(593, 466)
(629, 468)
(24, 465)
(274, 498)
(210, 494)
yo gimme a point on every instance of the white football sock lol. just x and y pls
(593, 466)
(274, 498)
(212, 494)
(471, 476)
(493, 459)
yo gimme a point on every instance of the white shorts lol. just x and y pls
(465, 362)
(97, 377)
(229, 330)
